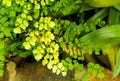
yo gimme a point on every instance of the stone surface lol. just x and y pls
(32, 72)
(36, 72)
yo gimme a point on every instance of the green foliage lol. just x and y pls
(115, 61)
(96, 70)
(71, 62)
(18, 24)
(102, 35)
(114, 16)
(46, 30)
(102, 3)
(117, 6)
(2, 56)
(117, 66)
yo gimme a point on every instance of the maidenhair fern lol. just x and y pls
(38, 28)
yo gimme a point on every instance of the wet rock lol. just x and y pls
(36, 72)
(32, 72)
(11, 70)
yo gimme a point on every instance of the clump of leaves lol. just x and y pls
(36, 28)
(95, 70)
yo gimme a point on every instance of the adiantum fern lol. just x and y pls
(28, 23)
(95, 70)
(44, 46)
(39, 37)
(7, 2)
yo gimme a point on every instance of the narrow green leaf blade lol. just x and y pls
(114, 16)
(99, 15)
(117, 6)
(109, 34)
(117, 66)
